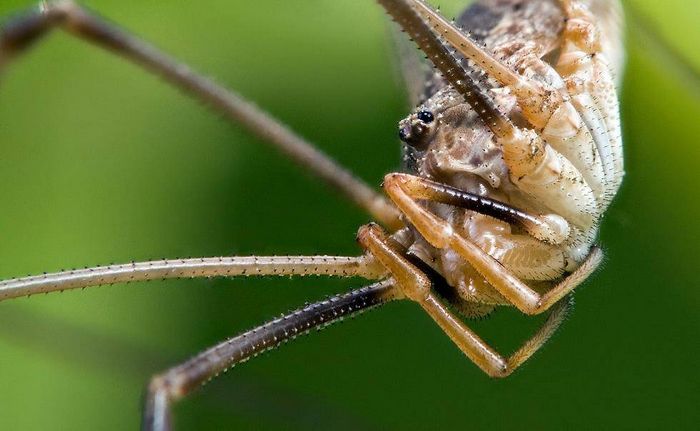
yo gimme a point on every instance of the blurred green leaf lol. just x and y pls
(101, 162)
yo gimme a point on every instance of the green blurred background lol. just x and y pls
(103, 163)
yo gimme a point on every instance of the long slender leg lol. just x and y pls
(19, 34)
(440, 234)
(176, 383)
(192, 268)
(416, 286)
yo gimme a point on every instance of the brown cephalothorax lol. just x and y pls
(511, 158)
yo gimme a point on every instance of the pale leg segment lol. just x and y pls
(20, 33)
(337, 266)
(441, 235)
(416, 286)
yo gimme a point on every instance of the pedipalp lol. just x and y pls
(442, 235)
(417, 287)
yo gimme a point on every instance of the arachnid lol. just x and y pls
(511, 158)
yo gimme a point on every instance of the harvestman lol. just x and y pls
(511, 157)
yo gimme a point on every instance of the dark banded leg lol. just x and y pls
(416, 286)
(178, 382)
(20, 33)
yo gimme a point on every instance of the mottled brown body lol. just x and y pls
(458, 149)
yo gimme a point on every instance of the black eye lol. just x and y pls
(426, 117)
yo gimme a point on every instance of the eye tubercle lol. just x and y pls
(426, 117)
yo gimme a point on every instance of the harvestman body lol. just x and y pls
(511, 157)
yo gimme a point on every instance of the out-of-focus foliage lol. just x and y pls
(101, 162)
